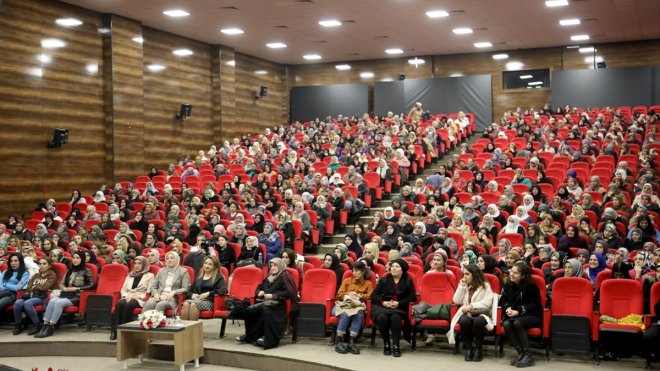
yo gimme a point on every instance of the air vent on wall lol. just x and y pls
(381, 37)
(282, 26)
(319, 42)
(304, 1)
(352, 54)
(481, 29)
(229, 8)
(347, 21)
(457, 11)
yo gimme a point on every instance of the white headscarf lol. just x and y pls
(511, 227)
(493, 214)
(530, 199)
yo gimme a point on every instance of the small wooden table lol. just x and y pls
(132, 341)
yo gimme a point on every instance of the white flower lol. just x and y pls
(152, 319)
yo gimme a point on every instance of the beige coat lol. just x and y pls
(483, 298)
(140, 292)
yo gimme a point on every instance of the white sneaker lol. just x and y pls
(429, 340)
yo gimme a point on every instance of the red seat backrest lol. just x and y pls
(494, 283)
(655, 296)
(319, 285)
(245, 282)
(619, 298)
(112, 279)
(437, 288)
(572, 296)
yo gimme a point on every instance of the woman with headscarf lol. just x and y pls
(139, 223)
(572, 268)
(608, 237)
(266, 323)
(513, 226)
(153, 258)
(133, 293)
(470, 216)
(331, 262)
(647, 190)
(391, 300)
(390, 237)
(588, 204)
(419, 237)
(77, 279)
(648, 230)
(548, 226)
(351, 242)
(488, 265)
(572, 238)
(557, 260)
(458, 226)
(635, 240)
(597, 264)
(271, 240)
(170, 281)
(468, 257)
(320, 206)
(641, 267)
(494, 212)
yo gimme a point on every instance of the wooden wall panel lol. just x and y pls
(223, 61)
(251, 114)
(64, 88)
(185, 80)
(124, 98)
(631, 54)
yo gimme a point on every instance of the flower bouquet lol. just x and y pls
(152, 319)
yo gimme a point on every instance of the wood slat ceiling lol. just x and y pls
(375, 25)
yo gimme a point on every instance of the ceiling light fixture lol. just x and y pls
(52, 43)
(500, 56)
(394, 51)
(591, 59)
(535, 83)
(92, 68)
(138, 39)
(580, 37)
(276, 45)
(556, 3)
(183, 52)
(44, 58)
(569, 22)
(312, 57)
(232, 31)
(462, 31)
(483, 44)
(366, 75)
(155, 67)
(176, 13)
(330, 23)
(572, 46)
(525, 77)
(231, 63)
(588, 49)
(68, 22)
(343, 67)
(437, 13)
(456, 74)
(260, 72)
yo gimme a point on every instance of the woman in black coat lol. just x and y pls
(267, 320)
(391, 300)
(522, 309)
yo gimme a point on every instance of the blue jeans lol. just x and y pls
(55, 308)
(344, 320)
(28, 306)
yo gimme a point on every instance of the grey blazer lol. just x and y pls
(180, 285)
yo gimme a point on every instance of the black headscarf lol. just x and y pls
(335, 267)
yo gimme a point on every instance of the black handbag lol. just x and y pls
(6, 294)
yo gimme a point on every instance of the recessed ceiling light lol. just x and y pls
(457, 74)
(572, 46)
(535, 83)
(176, 13)
(462, 31)
(569, 22)
(500, 56)
(231, 63)
(36, 72)
(52, 43)
(276, 45)
(514, 65)
(232, 31)
(138, 39)
(437, 13)
(330, 23)
(483, 44)
(386, 79)
(104, 30)
(343, 67)
(260, 72)
(394, 51)
(366, 75)
(579, 37)
(591, 59)
(155, 67)
(69, 22)
(183, 52)
(525, 77)
(588, 49)
(44, 58)
(416, 61)
(312, 57)
(555, 3)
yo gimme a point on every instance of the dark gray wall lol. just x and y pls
(656, 85)
(309, 102)
(605, 87)
(438, 95)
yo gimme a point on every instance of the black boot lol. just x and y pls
(396, 351)
(387, 348)
(341, 347)
(518, 357)
(41, 332)
(478, 352)
(351, 346)
(469, 352)
(113, 335)
(526, 360)
(35, 329)
(46, 332)
(18, 328)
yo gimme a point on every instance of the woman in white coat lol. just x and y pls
(475, 298)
